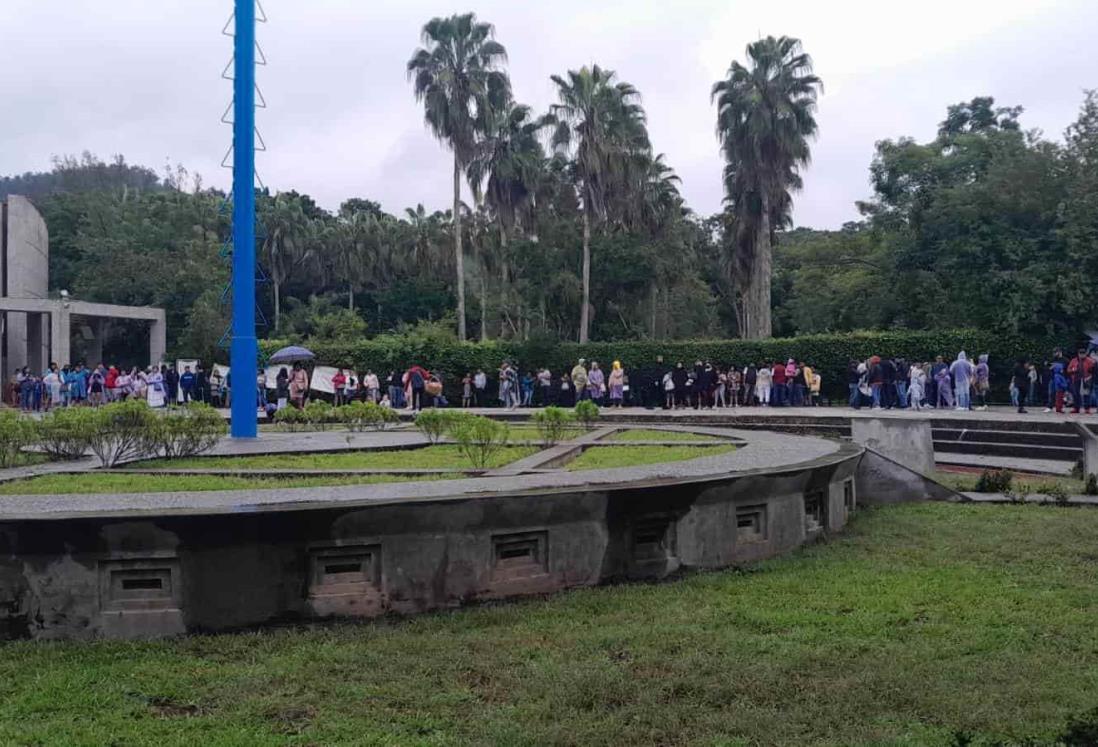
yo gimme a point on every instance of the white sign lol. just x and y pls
(322, 379)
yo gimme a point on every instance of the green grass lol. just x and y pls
(923, 620)
(966, 482)
(442, 456)
(107, 482)
(605, 457)
(651, 434)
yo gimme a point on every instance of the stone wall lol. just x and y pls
(25, 263)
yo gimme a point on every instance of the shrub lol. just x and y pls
(187, 430)
(552, 422)
(124, 431)
(291, 419)
(479, 438)
(358, 416)
(434, 422)
(1057, 492)
(587, 412)
(1091, 486)
(994, 481)
(66, 433)
(319, 413)
(16, 433)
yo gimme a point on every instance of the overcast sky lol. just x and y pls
(141, 78)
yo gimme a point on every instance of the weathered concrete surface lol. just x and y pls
(881, 480)
(908, 442)
(25, 261)
(1090, 448)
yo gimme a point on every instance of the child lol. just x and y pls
(1059, 385)
(467, 390)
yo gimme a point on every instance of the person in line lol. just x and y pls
(1019, 384)
(916, 386)
(750, 380)
(763, 379)
(526, 386)
(125, 384)
(545, 387)
(52, 380)
(680, 379)
(982, 384)
(396, 390)
(1059, 385)
(372, 385)
(467, 390)
(596, 383)
(338, 382)
(566, 391)
(1079, 373)
(669, 390)
(299, 385)
(962, 371)
(777, 385)
(616, 384)
(157, 395)
(187, 384)
(171, 383)
(416, 381)
(480, 388)
(282, 388)
(579, 380)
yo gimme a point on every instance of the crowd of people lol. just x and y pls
(77, 385)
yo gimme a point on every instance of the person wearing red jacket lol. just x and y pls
(1080, 374)
(779, 397)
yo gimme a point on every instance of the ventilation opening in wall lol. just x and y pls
(815, 510)
(520, 555)
(652, 537)
(334, 569)
(134, 585)
(751, 523)
(849, 499)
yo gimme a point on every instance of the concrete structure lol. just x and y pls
(37, 329)
(908, 442)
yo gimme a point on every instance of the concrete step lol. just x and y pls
(1030, 451)
(996, 435)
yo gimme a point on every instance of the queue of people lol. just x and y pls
(79, 385)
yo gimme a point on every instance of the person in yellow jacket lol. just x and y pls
(812, 384)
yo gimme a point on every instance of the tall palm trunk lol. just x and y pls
(350, 297)
(653, 300)
(277, 287)
(459, 256)
(585, 311)
(504, 279)
(757, 302)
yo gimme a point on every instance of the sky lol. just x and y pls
(142, 79)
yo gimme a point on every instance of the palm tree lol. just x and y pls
(457, 76)
(764, 120)
(356, 239)
(512, 160)
(286, 243)
(601, 120)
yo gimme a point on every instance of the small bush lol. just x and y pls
(358, 416)
(1091, 487)
(66, 432)
(587, 412)
(552, 422)
(16, 433)
(994, 481)
(319, 413)
(479, 439)
(435, 422)
(291, 419)
(1056, 492)
(187, 430)
(124, 431)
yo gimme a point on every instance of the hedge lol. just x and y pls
(829, 354)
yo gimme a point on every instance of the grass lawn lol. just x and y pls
(605, 457)
(920, 622)
(525, 432)
(441, 456)
(651, 434)
(107, 482)
(966, 482)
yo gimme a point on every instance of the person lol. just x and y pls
(616, 384)
(680, 378)
(932, 391)
(373, 386)
(217, 383)
(506, 383)
(351, 390)
(186, 384)
(396, 390)
(171, 383)
(1079, 373)
(1019, 384)
(669, 391)
(814, 389)
(125, 384)
(282, 388)
(888, 383)
(579, 380)
(944, 388)
(26, 391)
(720, 399)
(983, 382)
(526, 385)
(416, 382)
(596, 383)
(202, 384)
(52, 381)
(962, 371)
(1031, 391)
(795, 383)
(735, 383)
(480, 387)
(1059, 385)
(97, 386)
(467, 390)
(901, 381)
(432, 391)
(916, 386)
(750, 380)
(875, 376)
(567, 391)
(763, 378)
(545, 387)
(807, 375)
(110, 383)
(338, 382)
(777, 384)
(707, 382)
(157, 396)
(299, 385)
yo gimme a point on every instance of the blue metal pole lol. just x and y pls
(243, 352)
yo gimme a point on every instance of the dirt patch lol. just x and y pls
(163, 707)
(291, 720)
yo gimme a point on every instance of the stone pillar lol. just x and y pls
(158, 340)
(36, 348)
(1090, 448)
(94, 352)
(908, 442)
(60, 336)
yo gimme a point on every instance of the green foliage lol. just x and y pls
(124, 431)
(479, 438)
(65, 433)
(994, 481)
(319, 414)
(1057, 492)
(291, 419)
(186, 431)
(552, 422)
(358, 416)
(586, 412)
(1091, 486)
(16, 433)
(434, 422)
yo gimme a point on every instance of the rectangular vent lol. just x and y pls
(849, 499)
(133, 585)
(652, 537)
(815, 510)
(751, 523)
(520, 555)
(339, 567)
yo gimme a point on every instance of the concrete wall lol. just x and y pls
(26, 259)
(83, 578)
(908, 442)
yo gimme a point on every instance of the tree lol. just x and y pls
(601, 122)
(765, 116)
(286, 230)
(458, 77)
